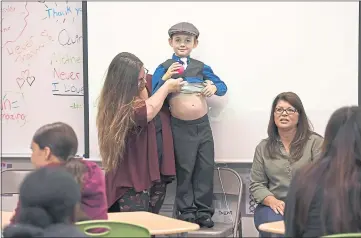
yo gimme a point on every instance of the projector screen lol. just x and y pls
(259, 49)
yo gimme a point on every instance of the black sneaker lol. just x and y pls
(205, 222)
(188, 219)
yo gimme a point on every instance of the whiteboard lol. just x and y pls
(42, 71)
(258, 48)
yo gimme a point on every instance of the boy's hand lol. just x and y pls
(210, 89)
(173, 69)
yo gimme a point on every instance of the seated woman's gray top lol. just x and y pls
(273, 176)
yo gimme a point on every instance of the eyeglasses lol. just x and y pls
(289, 110)
(145, 75)
(144, 79)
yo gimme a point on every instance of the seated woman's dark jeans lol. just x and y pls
(264, 214)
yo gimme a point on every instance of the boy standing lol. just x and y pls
(192, 134)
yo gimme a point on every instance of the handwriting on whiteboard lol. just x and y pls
(67, 89)
(65, 38)
(76, 105)
(56, 12)
(25, 77)
(63, 85)
(30, 47)
(66, 59)
(12, 108)
(11, 27)
(61, 14)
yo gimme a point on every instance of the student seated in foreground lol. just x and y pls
(56, 145)
(325, 198)
(49, 200)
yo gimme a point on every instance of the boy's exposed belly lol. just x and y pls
(188, 106)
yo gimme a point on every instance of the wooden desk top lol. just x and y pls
(5, 218)
(156, 224)
(277, 227)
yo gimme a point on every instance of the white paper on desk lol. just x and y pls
(222, 212)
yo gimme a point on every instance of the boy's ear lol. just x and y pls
(170, 42)
(195, 43)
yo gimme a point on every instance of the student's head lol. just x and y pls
(337, 172)
(343, 135)
(183, 38)
(56, 143)
(48, 196)
(118, 98)
(288, 114)
(53, 143)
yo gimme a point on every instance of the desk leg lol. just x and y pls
(180, 235)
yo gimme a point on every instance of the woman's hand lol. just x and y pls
(174, 85)
(276, 205)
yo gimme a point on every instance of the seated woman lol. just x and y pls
(49, 200)
(325, 198)
(56, 144)
(291, 144)
(136, 176)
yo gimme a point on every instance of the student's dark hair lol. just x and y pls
(304, 127)
(62, 141)
(48, 196)
(337, 175)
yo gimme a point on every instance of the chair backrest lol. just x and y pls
(343, 235)
(11, 180)
(104, 228)
(228, 182)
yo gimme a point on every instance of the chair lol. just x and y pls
(10, 185)
(11, 180)
(112, 229)
(227, 182)
(343, 235)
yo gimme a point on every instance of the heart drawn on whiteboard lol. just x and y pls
(30, 80)
(25, 74)
(20, 82)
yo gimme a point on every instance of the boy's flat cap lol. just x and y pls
(183, 27)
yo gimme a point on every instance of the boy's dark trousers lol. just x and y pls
(194, 153)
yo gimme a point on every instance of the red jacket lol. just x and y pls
(93, 198)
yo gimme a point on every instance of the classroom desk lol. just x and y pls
(156, 224)
(277, 227)
(5, 218)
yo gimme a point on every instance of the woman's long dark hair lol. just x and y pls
(116, 108)
(337, 175)
(304, 127)
(62, 141)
